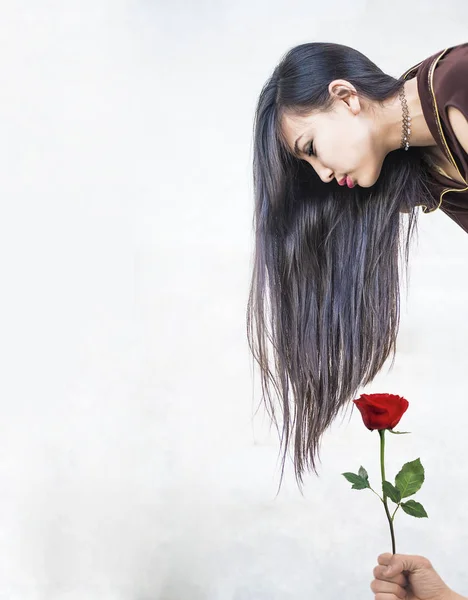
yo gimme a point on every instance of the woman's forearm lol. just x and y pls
(456, 596)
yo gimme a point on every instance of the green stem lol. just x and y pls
(382, 467)
(381, 499)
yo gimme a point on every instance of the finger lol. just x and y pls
(385, 558)
(400, 579)
(385, 587)
(406, 562)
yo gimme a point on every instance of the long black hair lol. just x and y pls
(324, 303)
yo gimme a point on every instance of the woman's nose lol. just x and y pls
(326, 175)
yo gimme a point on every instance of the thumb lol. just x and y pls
(406, 562)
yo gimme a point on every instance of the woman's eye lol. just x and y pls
(310, 151)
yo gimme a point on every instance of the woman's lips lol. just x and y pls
(347, 181)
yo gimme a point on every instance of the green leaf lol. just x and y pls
(410, 479)
(414, 509)
(363, 474)
(358, 482)
(392, 492)
(398, 432)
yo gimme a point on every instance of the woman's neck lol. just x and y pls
(392, 120)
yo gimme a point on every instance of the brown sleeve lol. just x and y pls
(451, 89)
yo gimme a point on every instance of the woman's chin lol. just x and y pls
(367, 182)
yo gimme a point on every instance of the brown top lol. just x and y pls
(442, 81)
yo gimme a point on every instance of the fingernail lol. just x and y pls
(388, 570)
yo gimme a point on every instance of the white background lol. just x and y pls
(131, 463)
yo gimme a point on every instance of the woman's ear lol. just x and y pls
(346, 92)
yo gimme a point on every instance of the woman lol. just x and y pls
(341, 150)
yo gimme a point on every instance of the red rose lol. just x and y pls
(381, 411)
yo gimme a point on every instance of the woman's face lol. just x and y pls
(341, 142)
